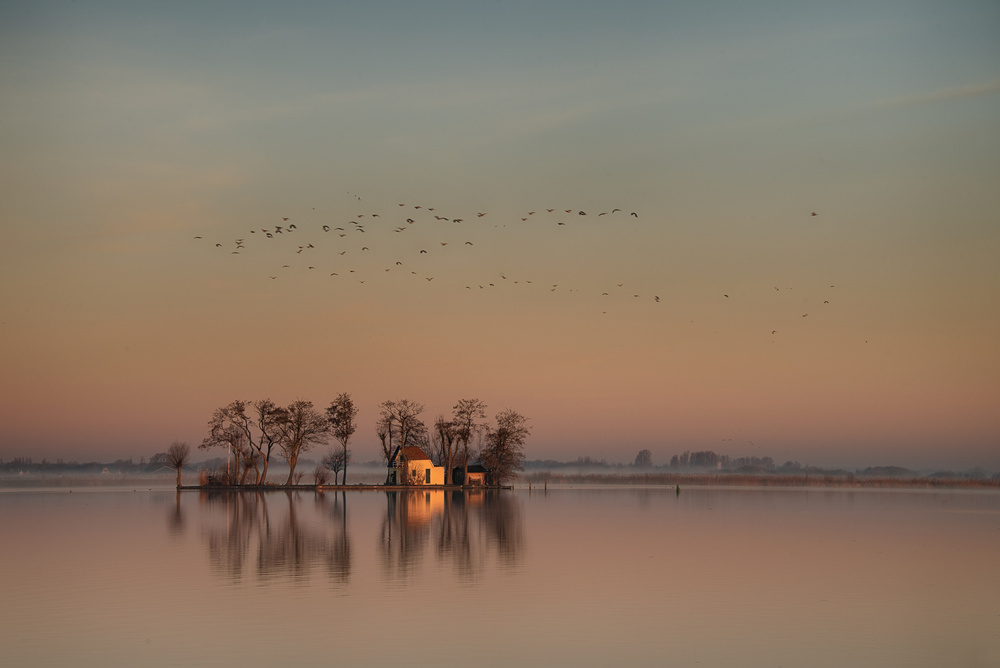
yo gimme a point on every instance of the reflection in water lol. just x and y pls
(465, 527)
(265, 535)
(176, 521)
(268, 542)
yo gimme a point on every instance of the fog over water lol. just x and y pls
(564, 576)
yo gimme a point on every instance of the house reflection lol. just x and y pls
(254, 534)
(465, 527)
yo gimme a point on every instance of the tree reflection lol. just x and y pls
(466, 528)
(261, 535)
(254, 539)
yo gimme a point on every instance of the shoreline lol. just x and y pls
(539, 480)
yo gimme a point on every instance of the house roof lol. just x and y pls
(410, 453)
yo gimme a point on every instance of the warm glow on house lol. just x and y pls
(410, 466)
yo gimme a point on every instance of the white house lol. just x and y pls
(410, 466)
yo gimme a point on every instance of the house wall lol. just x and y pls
(419, 468)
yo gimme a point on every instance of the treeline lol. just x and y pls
(122, 466)
(845, 479)
(709, 463)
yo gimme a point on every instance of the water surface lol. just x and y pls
(571, 576)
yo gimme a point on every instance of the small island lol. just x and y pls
(252, 431)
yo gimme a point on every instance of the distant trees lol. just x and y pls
(178, 455)
(341, 414)
(709, 459)
(644, 459)
(503, 447)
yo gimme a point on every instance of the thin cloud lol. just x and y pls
(942, 95)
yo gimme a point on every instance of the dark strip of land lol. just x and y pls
(761, 480)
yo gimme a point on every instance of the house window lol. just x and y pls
(427, 477)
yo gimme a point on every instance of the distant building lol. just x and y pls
(410, 466)
(477, 475)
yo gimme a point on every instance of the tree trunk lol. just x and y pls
(465, 466)
(345, 464)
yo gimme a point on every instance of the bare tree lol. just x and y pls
(466, 417)
(225, 430)
(257, 422)
(447, 440)
(503, 450)
(401, 418)
(267, 416)
(408, 421)
(383, 429)
(335, 461)
(341, 414)
(177, 456)
(301, 429)
(321, 475)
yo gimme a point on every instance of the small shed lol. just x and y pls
(477, 475)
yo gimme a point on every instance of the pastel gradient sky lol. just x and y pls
(866, 334)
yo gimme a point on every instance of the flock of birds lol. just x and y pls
(348, 249)
(344, 241)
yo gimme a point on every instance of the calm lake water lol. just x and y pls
(571, 576)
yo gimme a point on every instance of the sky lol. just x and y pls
(774, 226)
